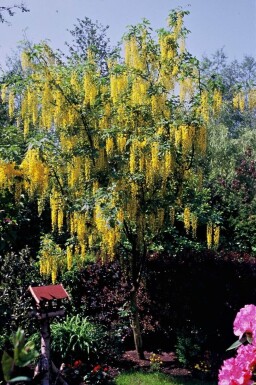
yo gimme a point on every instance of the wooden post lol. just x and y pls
(45, 366)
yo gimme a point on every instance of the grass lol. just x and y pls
(140, 378)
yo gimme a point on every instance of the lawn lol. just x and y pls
(140, 378)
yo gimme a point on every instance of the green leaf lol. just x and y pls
(19, 378)
(237, 343)
(7, 365)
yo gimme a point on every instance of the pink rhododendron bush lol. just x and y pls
(240, 370)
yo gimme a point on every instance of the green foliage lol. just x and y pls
(8, 223)
(24, 353)
(17, 272)
(235, 197)
(12, 143)
(188, 347)
(76, 338)
(20, 225)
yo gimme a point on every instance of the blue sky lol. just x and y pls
(214, 24)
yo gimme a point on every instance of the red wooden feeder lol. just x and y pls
(48, 304)
(48, 300)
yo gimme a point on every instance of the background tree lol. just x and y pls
(10, 11)
(90, 35)
(236, 80)
(230, 138)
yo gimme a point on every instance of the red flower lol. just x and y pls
(77, 363)
(105, 369)
(96, 368)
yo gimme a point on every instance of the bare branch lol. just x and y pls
(10, 11)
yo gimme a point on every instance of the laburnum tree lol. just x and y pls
(116, 155)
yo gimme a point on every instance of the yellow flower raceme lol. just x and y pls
(217, 101)
(8, 173)
(187, 219)
(216, 235)
(252, 99)
(11, 104)
(209, 230)
(36, 173)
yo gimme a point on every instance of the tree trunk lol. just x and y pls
(135, 324)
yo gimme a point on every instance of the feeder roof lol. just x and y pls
(48, 293)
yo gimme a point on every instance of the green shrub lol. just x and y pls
(76, 338)
(187, 348)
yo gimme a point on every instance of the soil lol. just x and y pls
(130, 361)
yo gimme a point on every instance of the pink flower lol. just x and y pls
(239, 370)
(245, 321)
(246, 357)
(231, 373)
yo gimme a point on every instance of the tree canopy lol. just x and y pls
(118, 155)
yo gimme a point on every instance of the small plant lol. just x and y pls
(76, 338)
(187, 348)
(155, 362)
(99, 375)
(86, 373)
(74, 373)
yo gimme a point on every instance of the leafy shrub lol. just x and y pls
(236, 199)
(86, 373)
(76, 338)
(100, 293)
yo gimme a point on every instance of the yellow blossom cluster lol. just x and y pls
(8, 173)
(213, 235)
(133, 56)
(190, 221)
(217, 101)
(252, 99)
(245, 99)
(36, 173)
(239, 101)
(50, 257)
